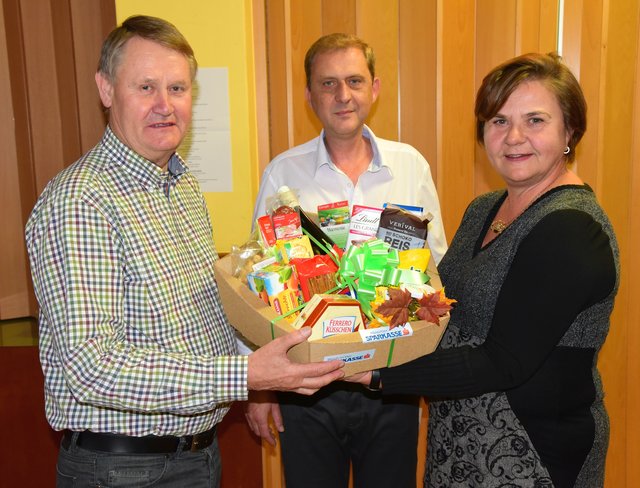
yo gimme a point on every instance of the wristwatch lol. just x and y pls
(374, 384)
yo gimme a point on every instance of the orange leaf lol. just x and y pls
(434, 306)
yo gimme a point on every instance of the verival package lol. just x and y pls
(401, 229)
(258, 322)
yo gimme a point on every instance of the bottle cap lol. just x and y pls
(287, 197)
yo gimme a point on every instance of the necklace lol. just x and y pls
(498, 225)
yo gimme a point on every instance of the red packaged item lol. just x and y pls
(286, 222)
(267, 233)
(315, 275)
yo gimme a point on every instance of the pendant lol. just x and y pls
(498, 226)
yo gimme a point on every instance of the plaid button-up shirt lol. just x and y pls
(133, 339)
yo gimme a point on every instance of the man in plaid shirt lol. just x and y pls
(139, 360)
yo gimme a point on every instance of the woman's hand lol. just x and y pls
(363, 378)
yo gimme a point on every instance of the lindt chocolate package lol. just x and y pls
(401, 229)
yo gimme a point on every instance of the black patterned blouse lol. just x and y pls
(515, 396)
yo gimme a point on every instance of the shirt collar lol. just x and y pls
(149, 174)
(323, 158)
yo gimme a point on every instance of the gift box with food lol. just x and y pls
(372, 306)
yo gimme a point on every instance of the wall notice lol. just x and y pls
(207, 146)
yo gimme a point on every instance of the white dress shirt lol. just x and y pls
(397, 174)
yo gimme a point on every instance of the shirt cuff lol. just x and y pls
(230, 378)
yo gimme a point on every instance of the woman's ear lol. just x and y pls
(568, 136)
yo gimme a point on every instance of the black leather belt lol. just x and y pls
(150, 444)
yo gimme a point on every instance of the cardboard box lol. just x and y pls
(252, 318)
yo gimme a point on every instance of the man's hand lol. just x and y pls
(270, 368)
(257, 410)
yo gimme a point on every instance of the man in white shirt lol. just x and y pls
(345, 424)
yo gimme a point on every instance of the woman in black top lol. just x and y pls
(515, 396)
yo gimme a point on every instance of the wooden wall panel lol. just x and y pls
(615, 193)
(443, 49)
(417, 102)
(306, 26)
(549, 21)
(262, 91)
(497, 40)
(15, 296)
(417, 52)
(45, 115)
(377, 23)
(87, 33)
(496, 27)
(338, 16)
(53, 119)
(456, 94)
(278, 73)
(627, 458)
(584, 51)
(537, 25)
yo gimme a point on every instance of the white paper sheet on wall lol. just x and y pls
(207, 146)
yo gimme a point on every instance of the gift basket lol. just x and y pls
(377, 303)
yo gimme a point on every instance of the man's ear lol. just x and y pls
(375, 88)
(105, 89)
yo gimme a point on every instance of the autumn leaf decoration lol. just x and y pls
(396, 307)
(433, 306)
(402, 307)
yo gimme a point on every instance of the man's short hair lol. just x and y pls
(146, 27)
(335, 42)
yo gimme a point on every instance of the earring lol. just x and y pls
(567, 150)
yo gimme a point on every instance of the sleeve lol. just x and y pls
(245, 346)
(267, 188)
(78, 275)
(562, 267)
(436, 238)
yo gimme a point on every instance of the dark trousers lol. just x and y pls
(78, 467)
(347, 424)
